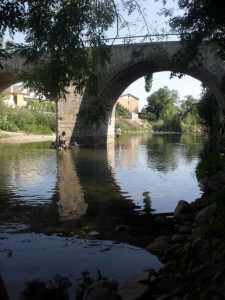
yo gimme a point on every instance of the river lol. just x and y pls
(61, 211)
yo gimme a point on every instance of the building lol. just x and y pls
(18, 95)
(129, 102)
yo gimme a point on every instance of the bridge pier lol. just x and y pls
(76, 130)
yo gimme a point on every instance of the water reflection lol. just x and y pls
(43, 188)
(59, 211)
(71, 203)
(164, 165)
(166, 152)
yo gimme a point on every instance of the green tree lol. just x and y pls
(189, 106)
(202, 22)
(65, 39)
(160, 99)
(208, 109)
(66, 42)
(171, 117)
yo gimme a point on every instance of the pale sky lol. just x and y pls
(185, 86)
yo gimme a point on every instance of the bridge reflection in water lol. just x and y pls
(59, 210)
(71, 203)
(88, 191)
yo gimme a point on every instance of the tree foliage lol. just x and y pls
(208, 109)
(189, 106)
(168, 113)
(64, 39)
(160, 99)
(202, 22)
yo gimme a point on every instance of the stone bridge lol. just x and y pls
(128, 63)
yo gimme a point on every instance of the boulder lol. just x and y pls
(132, 290)
(206, 212)
(178, 238)
(184, 211)
(163, 238)
(157, 247)
(103, 294)
(105, 283)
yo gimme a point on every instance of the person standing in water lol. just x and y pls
(118, 132)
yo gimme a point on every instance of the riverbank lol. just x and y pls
(192, 253)
(21, 137)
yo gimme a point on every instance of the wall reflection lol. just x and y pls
(71, 204)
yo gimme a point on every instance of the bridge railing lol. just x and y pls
(150, 38)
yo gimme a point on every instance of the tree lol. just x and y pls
(208, 109)
(160, 99)
(189, 106)
(65, 39)
(202, 22)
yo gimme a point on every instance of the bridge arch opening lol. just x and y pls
(129, 76)
(185, 86)
(124, 78)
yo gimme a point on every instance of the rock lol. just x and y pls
(122, 227)
(183, 229)
(132, 290)
(157, 247)
(178, 238)
(206, 212)
(106, 284)
(161, 219)
(144, 276)
(163, 238)
(103, 294)
(208, 184)
(184, 211)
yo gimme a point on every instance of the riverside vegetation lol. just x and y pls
(40, 118)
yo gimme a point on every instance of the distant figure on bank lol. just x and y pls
(62, 140)
(118, 132)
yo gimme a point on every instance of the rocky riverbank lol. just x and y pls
(193, 255)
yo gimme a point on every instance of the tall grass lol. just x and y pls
(29, 121)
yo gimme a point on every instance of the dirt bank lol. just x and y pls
(21, 137)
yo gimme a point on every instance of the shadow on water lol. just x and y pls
(64, 212)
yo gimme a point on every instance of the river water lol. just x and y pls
(60, 212)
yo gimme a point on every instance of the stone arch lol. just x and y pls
(117, 84)
(125, 69)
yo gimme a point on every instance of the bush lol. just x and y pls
(22, 119)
